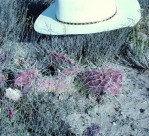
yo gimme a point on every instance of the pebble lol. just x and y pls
(114, 124)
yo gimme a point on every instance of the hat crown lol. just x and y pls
(84, 11)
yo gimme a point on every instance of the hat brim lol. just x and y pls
(128, 14)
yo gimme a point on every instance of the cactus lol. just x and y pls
(101, 80)
(56, 62)
(59, 61)
(60, 83)
(25, 79)
(92, 130)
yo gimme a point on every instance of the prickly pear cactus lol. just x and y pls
(98, 81)
(59, 60)
(26, 79)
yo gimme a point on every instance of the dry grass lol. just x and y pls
(49, 113)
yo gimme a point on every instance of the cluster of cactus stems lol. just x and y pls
(60, 61)
(101, 80)
(57, 62)
(25, 79)
(95, 80)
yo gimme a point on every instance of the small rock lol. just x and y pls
(147, 89)
(142, 110)
(114, 124)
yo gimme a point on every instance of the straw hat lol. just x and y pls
(65, 17)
